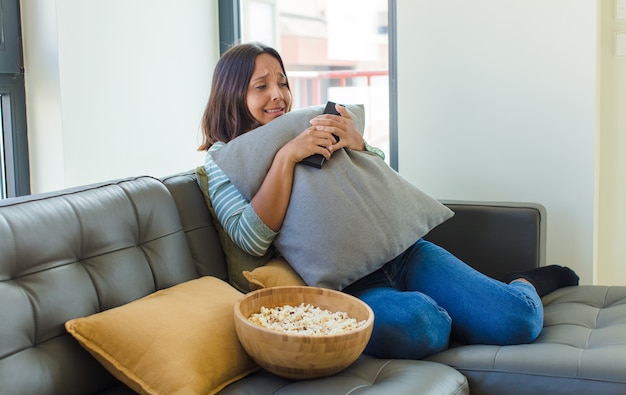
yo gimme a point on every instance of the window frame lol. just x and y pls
(15, 141)
(229, 13)
(16, 169)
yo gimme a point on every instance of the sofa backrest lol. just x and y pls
(83, 250)
(195, 218)
(495, 238)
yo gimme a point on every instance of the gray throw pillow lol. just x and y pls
(345, 220)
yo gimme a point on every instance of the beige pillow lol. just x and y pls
(275, 273)
(180, 340)
(237, 260)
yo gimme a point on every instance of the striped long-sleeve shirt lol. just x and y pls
(235, 213)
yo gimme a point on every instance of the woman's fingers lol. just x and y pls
(311, 141)
(326, 139)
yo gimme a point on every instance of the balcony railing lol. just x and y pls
(311, 87)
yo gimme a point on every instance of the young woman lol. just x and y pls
(419, 298)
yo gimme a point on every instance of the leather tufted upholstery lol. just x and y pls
(581, 350)
(75, 253)
(204, 243)
(367, 376)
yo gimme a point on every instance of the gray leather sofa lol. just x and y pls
(67, 253)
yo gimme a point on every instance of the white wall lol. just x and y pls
(115, 88)
(43, 95)
(611, 187)
(497, 102)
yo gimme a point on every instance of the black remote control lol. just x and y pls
(330, 109)
(317, 160)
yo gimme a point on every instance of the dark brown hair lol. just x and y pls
(226, 115)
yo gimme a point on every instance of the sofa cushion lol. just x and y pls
(177, 340)
(366, 376)
(237, 260)
(344, 220)
(276, 273)
(580, 350)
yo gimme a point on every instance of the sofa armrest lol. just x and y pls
(494, 238)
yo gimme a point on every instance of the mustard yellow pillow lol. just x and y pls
(178, 340)
(275, 273)
(237, 260)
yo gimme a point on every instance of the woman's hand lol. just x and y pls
(311, 141)
(342, 127)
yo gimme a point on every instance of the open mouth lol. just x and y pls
(275, 110)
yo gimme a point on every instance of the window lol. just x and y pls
(335, 50)
(3, 169)
(14, 168)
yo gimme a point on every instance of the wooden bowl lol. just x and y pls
(299, 356)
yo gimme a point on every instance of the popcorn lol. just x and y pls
(305, 319)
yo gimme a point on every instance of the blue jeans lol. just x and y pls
(426, 296)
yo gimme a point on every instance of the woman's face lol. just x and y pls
(268, 95)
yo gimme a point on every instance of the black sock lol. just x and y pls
(547, 279)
